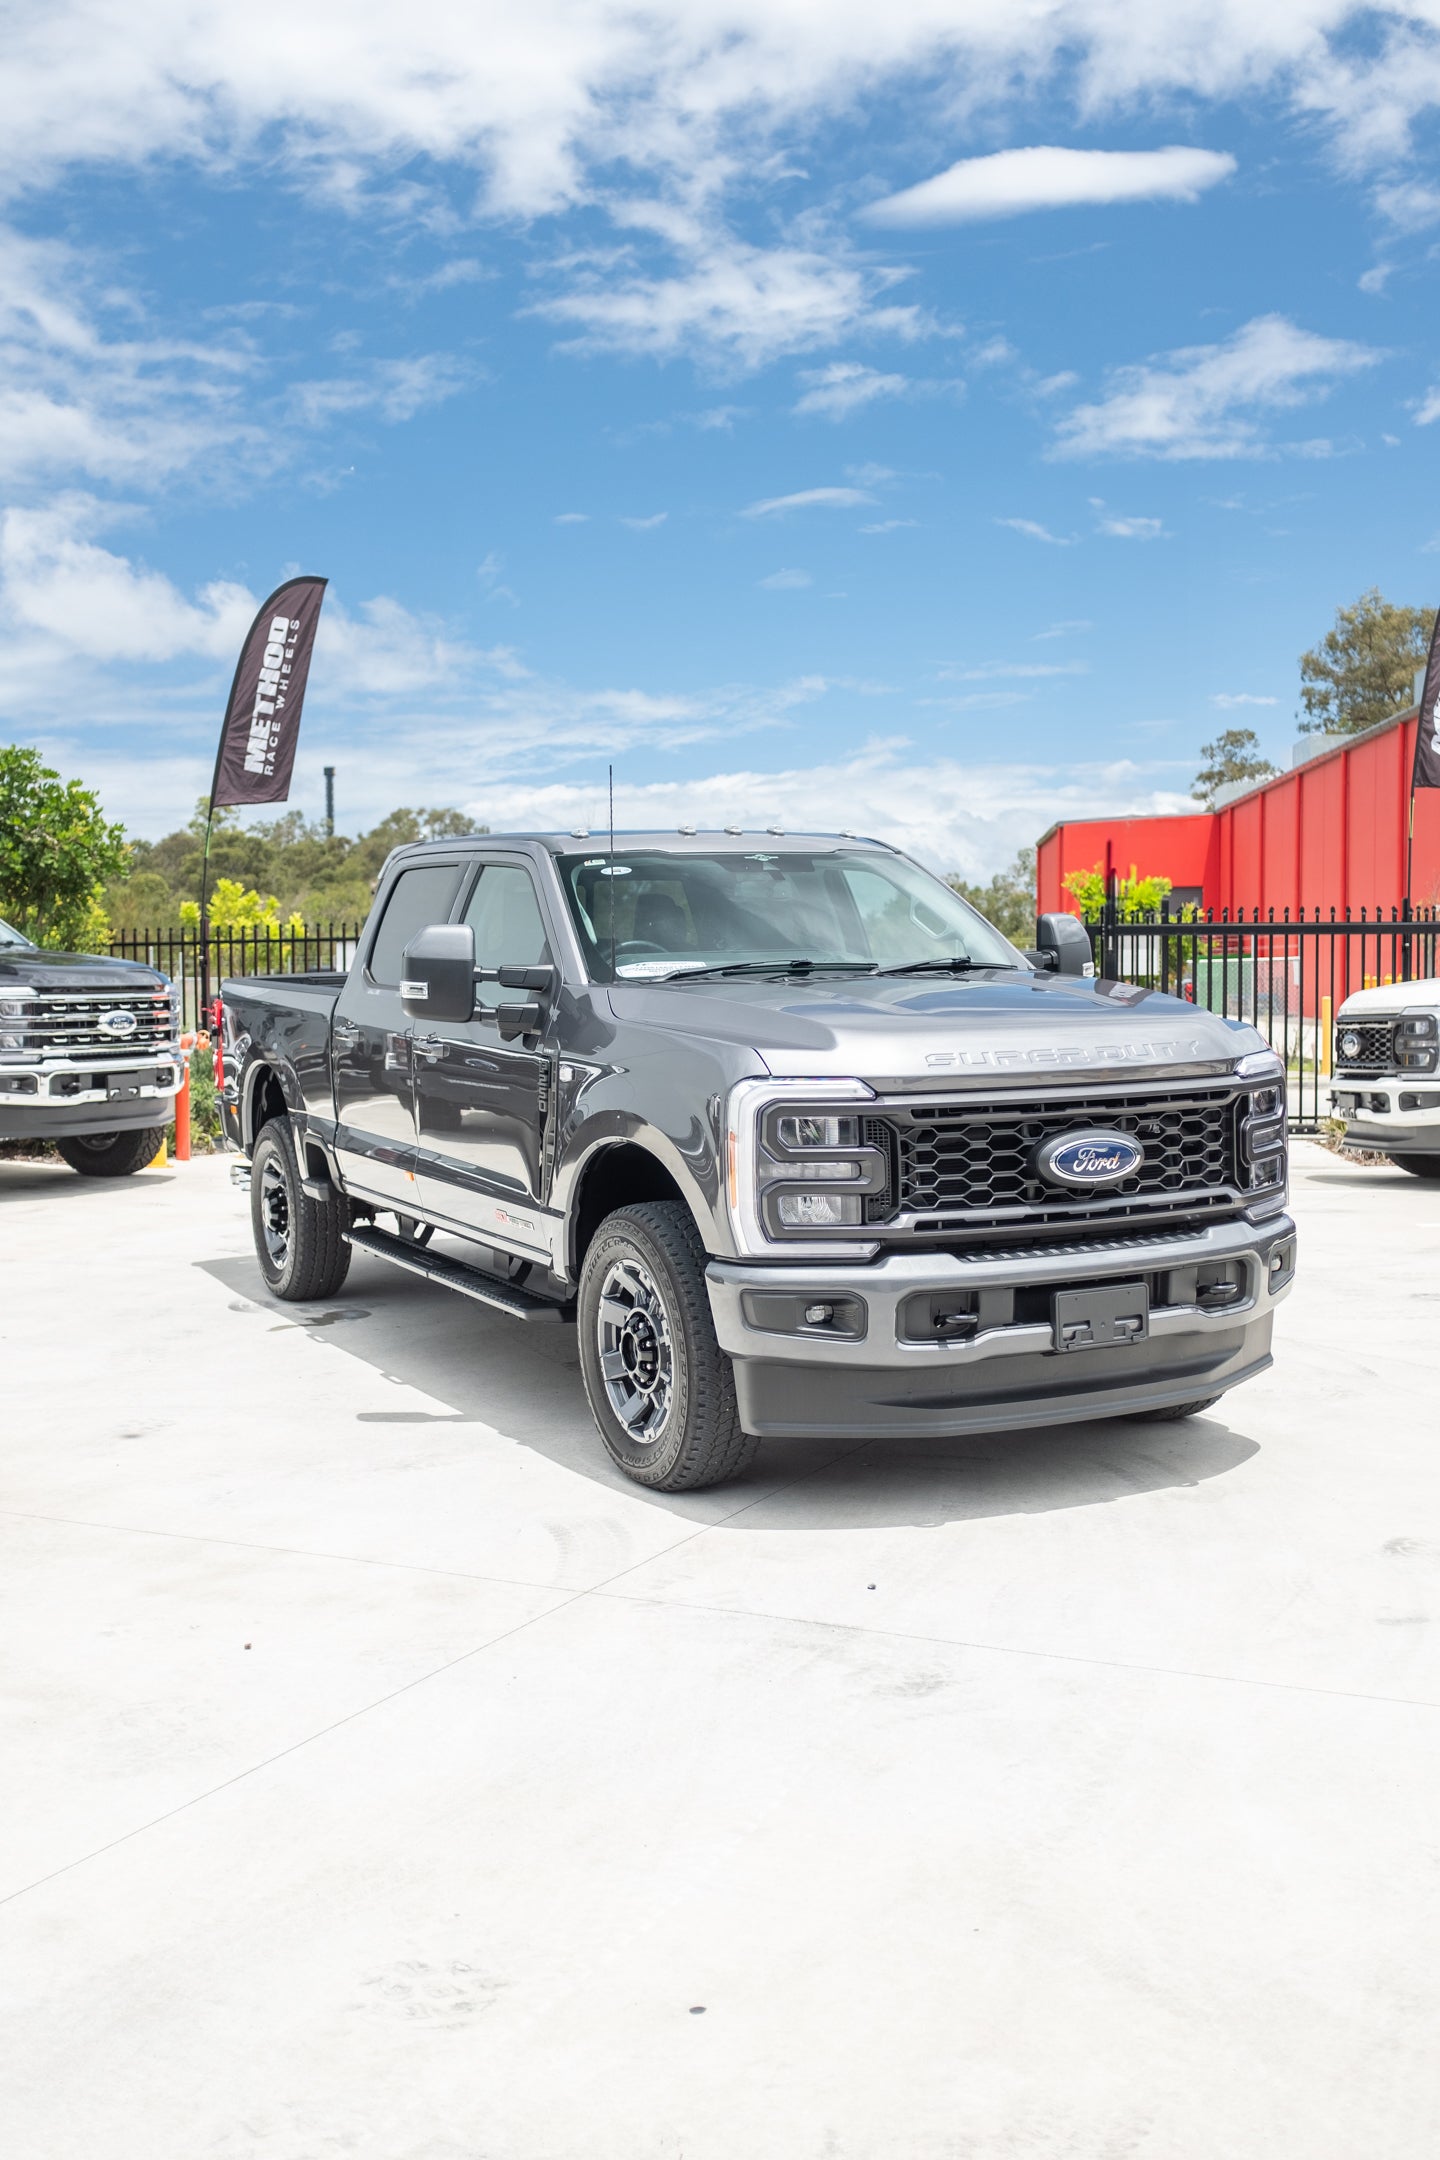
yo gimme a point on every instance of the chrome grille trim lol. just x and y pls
(67, 1023)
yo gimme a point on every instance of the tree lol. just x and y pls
(1136, 897)
(56, 851)
(1234, 755)
(1364, 669)
(1008, 901)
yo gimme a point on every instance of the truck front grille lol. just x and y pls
(1376, 1048)
(69, 1023)
(968, 1165)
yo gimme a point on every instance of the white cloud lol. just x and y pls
(646, 524)
(1428, 409)
(1208, 401)
(55, 578)
(1131, 528)
(1062, 629)
(1034, 531)
(844, 387)
(745, 305)
(889, 525)
(1024, 668)
(1229, 699)
(396, 389)
(572, 517)
(954, 814)
(1048, 178)
(1409, 204)
(821, 498)
(786, 580)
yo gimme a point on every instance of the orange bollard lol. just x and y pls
(182, 1103)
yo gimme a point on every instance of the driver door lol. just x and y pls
(481, 1101)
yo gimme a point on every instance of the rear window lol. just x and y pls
(418, 898)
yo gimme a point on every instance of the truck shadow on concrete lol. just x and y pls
(472, 1367)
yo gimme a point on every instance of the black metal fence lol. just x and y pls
(236, 952)
(1287, 975)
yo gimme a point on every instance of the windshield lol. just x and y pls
(9, 936)
(671, 914)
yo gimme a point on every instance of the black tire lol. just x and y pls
(1426, 1166)
(111, 1154)
(665, 1408)
(1177, 1410)
(299, 1242)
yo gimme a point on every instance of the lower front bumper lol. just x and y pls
(811, 1383)
(58, 1121)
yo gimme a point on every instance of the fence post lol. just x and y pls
(1327, 1023)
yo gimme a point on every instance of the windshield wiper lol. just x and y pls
(768, 967)
(957, 964)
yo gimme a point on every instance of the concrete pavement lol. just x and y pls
(388, 1779)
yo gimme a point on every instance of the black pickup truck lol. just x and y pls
(801, 1142)
(88, 1055)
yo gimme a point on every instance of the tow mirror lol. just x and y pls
(437, 975)
(1063, 945)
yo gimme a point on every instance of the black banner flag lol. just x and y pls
(262, 719)
(1427, 734)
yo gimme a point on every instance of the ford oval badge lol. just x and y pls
(118, 1023)
(1089, 1161)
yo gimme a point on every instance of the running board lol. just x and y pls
(471, 1282)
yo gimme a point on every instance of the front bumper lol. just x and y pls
(49, 1101)
(1393, 1114)
(800, 1380)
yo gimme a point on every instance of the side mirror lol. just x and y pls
(1064, 945)
(437, 975)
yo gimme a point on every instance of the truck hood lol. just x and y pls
(73, 971)
(910, 1028)
(1390, 998)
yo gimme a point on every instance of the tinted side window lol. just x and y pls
(509, 929)
(418, 898)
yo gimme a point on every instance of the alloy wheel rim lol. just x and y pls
(637, 1358)
(275, 1212)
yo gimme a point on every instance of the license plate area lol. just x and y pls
(1099, 1319)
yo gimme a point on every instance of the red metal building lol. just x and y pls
(1329, 834)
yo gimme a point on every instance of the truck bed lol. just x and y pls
(287, 1018)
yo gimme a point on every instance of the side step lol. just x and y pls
(471, 1282)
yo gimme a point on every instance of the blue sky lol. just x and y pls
(931, 425)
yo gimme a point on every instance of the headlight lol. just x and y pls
(1415, 1042)
(1349, 1044)
(800, 1169)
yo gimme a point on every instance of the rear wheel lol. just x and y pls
(111, 1154)
(660, 1388)
(299, 1241)
(1426, 1166)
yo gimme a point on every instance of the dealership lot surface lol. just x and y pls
(387, 1778)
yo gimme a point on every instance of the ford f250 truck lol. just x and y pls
(88, 1055)
(1386, 1065)
(801, 1143)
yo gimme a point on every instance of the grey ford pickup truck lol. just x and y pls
(88, 1055)
(801, 1143)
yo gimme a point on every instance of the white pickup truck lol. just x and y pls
(1387, 1073)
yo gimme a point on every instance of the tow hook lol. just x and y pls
(240, 1175)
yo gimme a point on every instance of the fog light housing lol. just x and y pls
(818, 1210)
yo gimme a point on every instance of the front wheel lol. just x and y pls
(111, 1154)
(1426, 1166)
(660, 1388)
(299, 1242)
